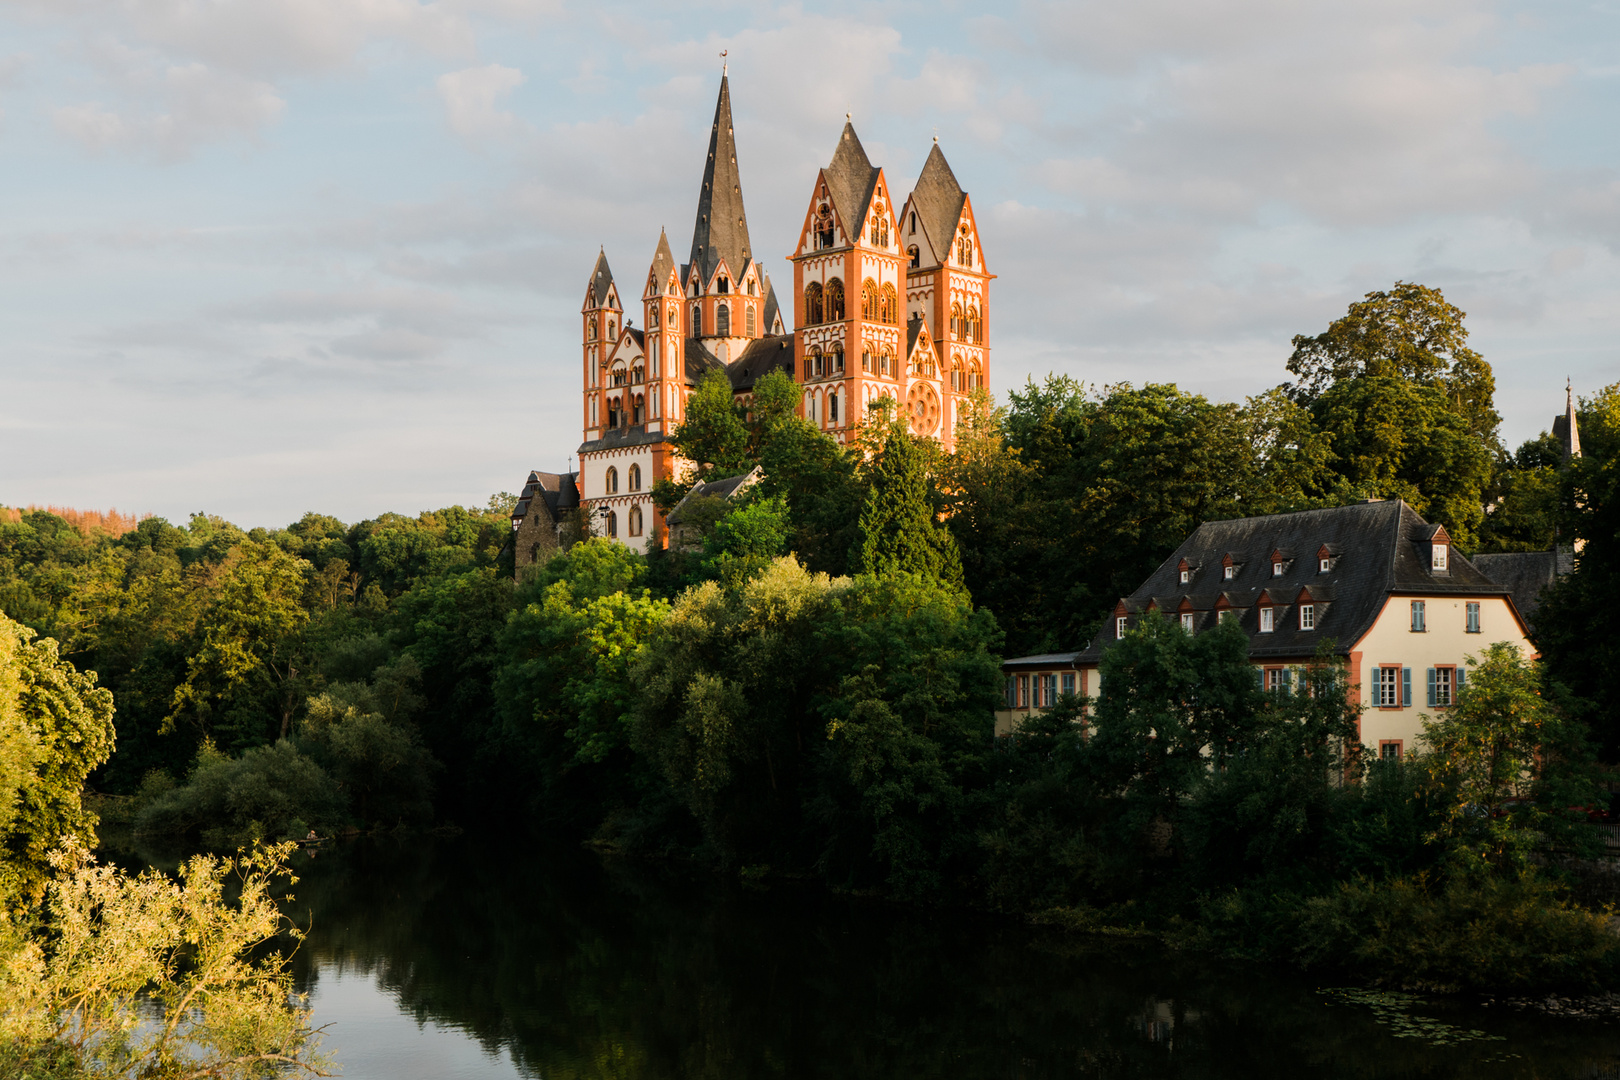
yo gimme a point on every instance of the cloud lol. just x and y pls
(471, 98)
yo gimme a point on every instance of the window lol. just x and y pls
(1324, 565)
(1186, 576)
(750, 320)
(1307, 616)
(1389, 749)
(1389, 688)
(635, 521)
(1023, 691)
(866, 358)
(832, 408)
(1417, 617)
(613, 329)
(889, 306)
(916, 256)
(1228, 572)
(697, 320)
(652, 317)
(635, 478)
(618, 378)
(1440, 683)
(1277, 678)
(1266, 620)
(1187, 621)
(834, 301)
(1009, 692)
(1068, 683)
(638, 373)
(638, 413)
(611, 485)
(612, 524)
(1119, 626)
(835, 358)
(1472, 617)
(812, 303)
(1437, 559)
(1232, 615)
(722, 319)
(652, 355)
(1277, 569)
(957, 321)
(869, 298)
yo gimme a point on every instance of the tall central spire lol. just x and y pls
(721, 230)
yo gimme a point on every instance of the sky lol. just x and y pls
(263, 257)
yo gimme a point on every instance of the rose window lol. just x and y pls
(923, 404)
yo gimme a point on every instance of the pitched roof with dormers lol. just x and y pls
(555, 492)
(600, 288)
(663, 265)
(1382, 549)
(721, 229)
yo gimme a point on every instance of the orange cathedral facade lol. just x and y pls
(890, 298)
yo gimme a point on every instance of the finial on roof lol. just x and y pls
(724, 63)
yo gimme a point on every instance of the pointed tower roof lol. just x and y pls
(663, 262)
(601, 281)
(721, 230)
(938, 198)
(772, 310)
(1565, 429)
(851, 177)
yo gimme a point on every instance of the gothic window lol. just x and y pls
(956, 374)
(590, 330)
(672, 315)
(618, 375)
(835, 301)
(635, 521)
(640, 414)
(697, 320)
(866, 358)
(869, 300)
(635, 478)
(975, 379)
(835, 359)
(832, 408)
(916, 256)
(638, 374)
(613, 330)
(975, 330)
(886, 364)
(813, 363)
(652, 283)
(964, 246)
(614, 417)
(611, 481)
(812, 303)
(888, 306)
(722, 320)
(652, 316)
(958, 330)
(824, 226)
(751, 291)
(750, 322)
(612, 524)
(724, 285)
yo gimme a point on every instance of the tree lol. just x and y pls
(712, 434)
(55, 728)
(1492, 753)
(1408, 333)
(900, 531)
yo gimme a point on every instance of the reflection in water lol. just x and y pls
(502, 959)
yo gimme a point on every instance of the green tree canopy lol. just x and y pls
(900, 530)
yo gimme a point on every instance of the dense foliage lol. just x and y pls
(808, 687)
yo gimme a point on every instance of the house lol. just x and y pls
(1380, 587)
(689, 522)
(538, 518)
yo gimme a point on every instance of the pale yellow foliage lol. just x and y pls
(146, 976)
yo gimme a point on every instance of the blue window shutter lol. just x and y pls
(1431, 688)
(1288, 680)
(1259, 678)
(1461, 677)
(1406, 687)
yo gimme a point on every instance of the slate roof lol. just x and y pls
(620, 437)
(723, 488)
(1524, 573)
(721, 230)
(601, 279)
(663, 262)
(699, 362)
(761, 356)
(1382, 553)
(558, 492)
(851, 179)
(938, 200)
(772, 309)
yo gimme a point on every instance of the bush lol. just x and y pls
(268, 792)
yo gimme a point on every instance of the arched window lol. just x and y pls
(697, 320)
(640, 414)
(975, 330)
(957, 330)
(652, 354)
(975, 379)
(956, 374)
(594, 410)
(916, 256)
(832, 408)
(888, 306)
(612, 524)
(812, 363)
(835, 359)
(615, 413)
(635, 521)
(613, 329)
(750, 322)
(722, 319)
(835, 301)
(590, 330)
(824, 225)
(914, 227)
(869, 300)
(638, 373)
(611, 482)
(618, 375)
(724, 285)
(751, 291)
(886, 363)
(812, 303)
(866, 358)
(635, 477)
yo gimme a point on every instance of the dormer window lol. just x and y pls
(1437, 558)
(1324, 565)
(1228, 572)
(1186, 575)
(1120, 625)
(1267, 620)
(1277, 569)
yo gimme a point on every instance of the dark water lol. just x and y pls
(460, 959)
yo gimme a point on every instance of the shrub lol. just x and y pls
(261, 794)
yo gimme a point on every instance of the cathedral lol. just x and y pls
(889, 299)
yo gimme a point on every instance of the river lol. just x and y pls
(460, 959)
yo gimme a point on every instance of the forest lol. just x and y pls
(809, 694)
